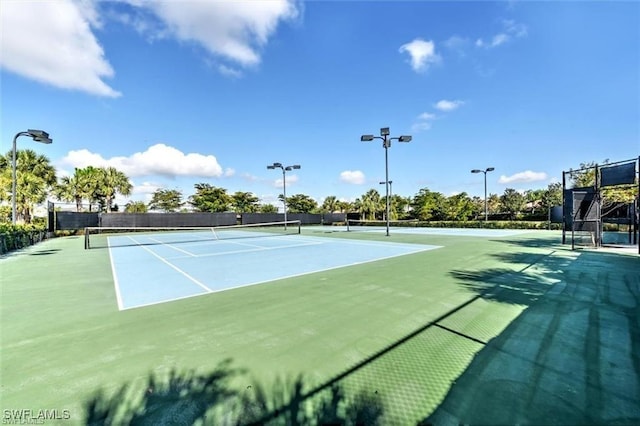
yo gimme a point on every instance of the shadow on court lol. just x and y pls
(209, 398)
(572, 357)
(44, 252)
(569, 353)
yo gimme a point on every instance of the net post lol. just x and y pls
(348, 225)
(86, 238)
(299, 227)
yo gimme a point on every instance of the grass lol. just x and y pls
(389, 328)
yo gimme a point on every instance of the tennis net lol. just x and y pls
(360, 225)
(102, 237)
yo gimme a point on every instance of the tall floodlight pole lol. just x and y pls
(284, 169)
(390, 190)
(386, 143)
(488, 169)
(38, 136)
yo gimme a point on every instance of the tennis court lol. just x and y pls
(183, 264)
(436, 329)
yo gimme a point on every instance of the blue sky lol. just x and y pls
(179, 92)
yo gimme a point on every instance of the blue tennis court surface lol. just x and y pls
(149, 270)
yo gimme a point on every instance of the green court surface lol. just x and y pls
(484, 330)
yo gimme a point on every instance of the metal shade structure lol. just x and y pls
(38, 136)
(485, 171)
(284, 169)
(386, 143)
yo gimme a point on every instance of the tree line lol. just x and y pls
(425, 205)
(36, 180)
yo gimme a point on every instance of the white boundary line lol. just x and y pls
(173, 266)
(286, 277)
(115, 278)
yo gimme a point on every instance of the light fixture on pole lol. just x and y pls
(284, 183)
(485, 171)
(38, 136)
(386, 143)
(390, 190)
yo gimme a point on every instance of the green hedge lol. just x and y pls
(14, 237)
(492, 224)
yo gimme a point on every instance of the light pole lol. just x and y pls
(485, 171)
(390, 190)
(285, 169)
(386, 143)
(38, 136)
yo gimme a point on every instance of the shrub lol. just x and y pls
(13, 237)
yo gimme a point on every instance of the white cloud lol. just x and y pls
(526, 176)
(159, 159)
(234, 30)
(229, 72)
(60, 173)
(228, 172)
(445, 105)
(271, 199)
(456, 42)
(140, 192)
(355, 177)
(426, 116)
(515, 29)
(496, 41)
(290, 179)
(422, 53)
(249, 177)
(511, 30)
(145, 188)
(420, 126)
(61, 51)
(423, 122)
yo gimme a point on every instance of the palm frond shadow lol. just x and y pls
(503, 285)
(185, 398)
(178, 398)
(530, 242)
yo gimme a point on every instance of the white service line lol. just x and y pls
(230, 241)
(172, 266)
(172, 246)
(257, 248)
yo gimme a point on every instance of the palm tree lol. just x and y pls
(34, 177)
(331, 204)
(112, 182)
(370, 204)
(90, 181)
(30, 191)
(135, 207)
(357, 206)
(70, 189)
